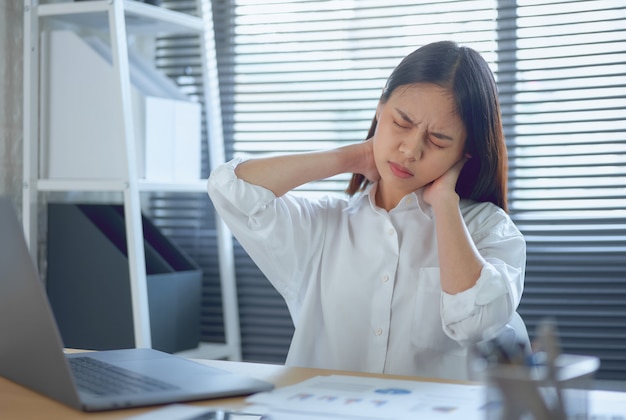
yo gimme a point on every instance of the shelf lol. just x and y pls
(116, 19)
(80, 185)
(140, 17)
(119, 185)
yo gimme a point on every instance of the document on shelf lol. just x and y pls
(353, 397)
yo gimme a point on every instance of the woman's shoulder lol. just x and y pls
(328, 201)
(487, 217)
(480, 208)
(332, 201)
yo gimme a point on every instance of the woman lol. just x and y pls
(422, 260)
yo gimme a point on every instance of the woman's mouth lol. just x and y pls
(400, 171)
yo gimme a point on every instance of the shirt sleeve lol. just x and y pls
(481, 311)
(277, 233)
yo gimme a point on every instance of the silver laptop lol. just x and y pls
(31, 349)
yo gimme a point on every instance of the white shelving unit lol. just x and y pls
(116, 18)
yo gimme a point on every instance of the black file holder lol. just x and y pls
(88, 281)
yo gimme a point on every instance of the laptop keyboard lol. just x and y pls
(103, 379)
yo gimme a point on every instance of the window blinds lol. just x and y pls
(306, 75)
(188, 218)
(565, 96)
(302, 75)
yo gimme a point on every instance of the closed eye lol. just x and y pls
(438, 146)
(439, 140)
(397, 124)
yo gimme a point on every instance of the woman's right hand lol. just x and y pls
(366, 162)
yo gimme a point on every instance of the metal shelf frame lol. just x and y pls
(118, 18)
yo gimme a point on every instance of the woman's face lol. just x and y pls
(419, 136)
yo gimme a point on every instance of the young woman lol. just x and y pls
(422, 259)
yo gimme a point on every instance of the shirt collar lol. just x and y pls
(414, 200)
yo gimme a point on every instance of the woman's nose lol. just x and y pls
(411, 147)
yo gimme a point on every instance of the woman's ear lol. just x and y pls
(466, 152)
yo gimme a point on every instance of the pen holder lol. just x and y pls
(536, 391)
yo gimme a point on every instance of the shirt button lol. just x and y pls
(385, 278)
(378, 331)
(391, 231)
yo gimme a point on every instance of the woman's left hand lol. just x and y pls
(443, 188)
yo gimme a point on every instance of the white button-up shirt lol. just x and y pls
(362, 284)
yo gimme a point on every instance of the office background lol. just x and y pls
(312, 71)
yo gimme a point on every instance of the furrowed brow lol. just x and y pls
(405, 117)
(437, 134)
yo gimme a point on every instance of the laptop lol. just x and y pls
(31, 349)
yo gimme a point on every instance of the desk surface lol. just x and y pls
(17, 402)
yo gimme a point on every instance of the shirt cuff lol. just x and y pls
(248, 198)
(489, 287)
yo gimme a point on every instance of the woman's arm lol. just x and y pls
(281, 174)
(460, 263)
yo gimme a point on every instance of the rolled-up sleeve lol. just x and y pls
(275, 232)
(233, 198)
(481, 311)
